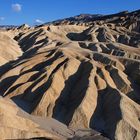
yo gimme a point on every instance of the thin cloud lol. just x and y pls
(16, 7)
(38, 21)
(2, 18)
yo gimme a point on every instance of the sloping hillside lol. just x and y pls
(85, 75)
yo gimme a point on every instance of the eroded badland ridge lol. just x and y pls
(77, 78)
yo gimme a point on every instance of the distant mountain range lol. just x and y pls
(85, 18)
(7, 26)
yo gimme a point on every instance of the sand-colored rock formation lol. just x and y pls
(16, 124)
(84, 75)
(9, 48)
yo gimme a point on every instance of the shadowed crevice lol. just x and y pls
(107, 113)
(29, 100)
(6, 83)
(72, 94)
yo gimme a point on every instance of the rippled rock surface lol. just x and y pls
(72, 79)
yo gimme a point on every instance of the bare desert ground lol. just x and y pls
(75, 79)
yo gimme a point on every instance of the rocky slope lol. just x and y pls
(9, 48)
(85, 75)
